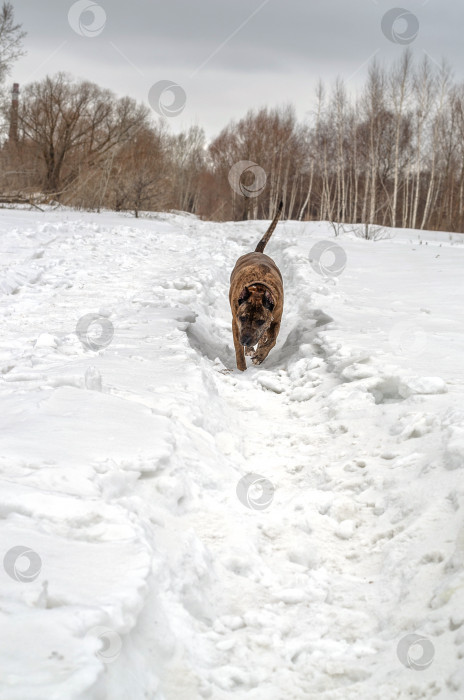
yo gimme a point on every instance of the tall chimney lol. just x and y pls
(13, 133)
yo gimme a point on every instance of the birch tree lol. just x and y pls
(443, 84)
(399, 92)
(424, 89)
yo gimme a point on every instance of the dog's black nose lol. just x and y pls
(246, 340)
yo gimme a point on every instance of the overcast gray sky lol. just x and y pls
(230, 56)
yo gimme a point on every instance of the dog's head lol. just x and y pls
(254, 315)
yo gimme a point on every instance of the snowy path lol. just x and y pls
(119, 466)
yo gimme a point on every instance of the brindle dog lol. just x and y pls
(257, 300)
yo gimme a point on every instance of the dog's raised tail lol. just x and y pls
(265, 239)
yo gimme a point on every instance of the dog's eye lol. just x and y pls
(242, 318)
(260, 323)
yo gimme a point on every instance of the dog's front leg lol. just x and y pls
(239, 353)
(266, 344)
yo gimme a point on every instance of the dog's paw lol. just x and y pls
(256, 359)
(249, 352)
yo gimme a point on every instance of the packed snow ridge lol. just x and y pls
(174, 529)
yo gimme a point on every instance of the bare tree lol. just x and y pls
(273, 139)
(425, 89)
(374, 104)
(399, 91)
(320, 96)
(140, 174)
(188, 155)
(73, 124)
(339, 109)
(443, 85)
(11, 38)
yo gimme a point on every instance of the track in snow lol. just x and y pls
(120, 467)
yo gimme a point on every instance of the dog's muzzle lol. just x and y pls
(246, 340)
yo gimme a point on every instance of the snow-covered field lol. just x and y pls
(138, 561)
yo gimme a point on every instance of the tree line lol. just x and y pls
(391, 155)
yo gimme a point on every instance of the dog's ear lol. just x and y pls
(244, 295)
(268, 301)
